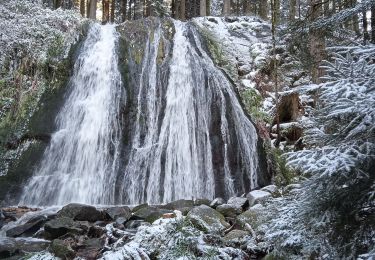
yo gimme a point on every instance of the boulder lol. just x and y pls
(207, 219)
(257, 196)
(15, 246)
(241, 202)
(250, 216)
(293, 187)
(91, 248)
(62, 249)
(235, 236)
(27, 229)
(271, 189)
(217, 202)
(117, 212)
(136, 208)
(229, 210)
(80, 212)
(150, 214)
(134, 224)
(60, 226)
(198, 202)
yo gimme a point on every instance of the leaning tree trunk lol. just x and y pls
(226, 7)
(105, 15)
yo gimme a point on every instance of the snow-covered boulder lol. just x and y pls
(271, 189)
(207, 219)
(241, 202)
(257, 196)
(229, 210)
(217, 202)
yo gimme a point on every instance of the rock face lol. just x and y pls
(207, 219)
(17, 246)
(80, 212)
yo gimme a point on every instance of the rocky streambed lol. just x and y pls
(197, 228)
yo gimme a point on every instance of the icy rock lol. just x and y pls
(241, 202)
(257, 196)
(217, 202)
(29, 228)
(14, 246)
(235, 235)
(229, 210)
(250, 216)
(271, 189)
(294, 186)
(207, 219)
(81, 212)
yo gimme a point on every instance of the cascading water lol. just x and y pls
(80, 163)
(184, 133)
(192, 137)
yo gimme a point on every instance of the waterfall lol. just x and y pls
(183, 132)
(191, 138)
(80, 163)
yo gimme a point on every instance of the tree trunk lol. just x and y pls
(366, 36)
(182, 10)
(208, 7)
(292, 10)
(92, 9)
(113, 9)
(316, 42)
(373, 23)
(82, 8)
(277, 11)
(124, 3)
(263, 9)
(226, 7)
(138, 9)
(105, 15)
(203, 8)
(326, 8)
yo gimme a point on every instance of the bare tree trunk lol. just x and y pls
(105, 15)
(82, 8)
(123, 9)
(326, 8)
(366, 36)
(292, 10)
(92, 9)
(138, 9)
(277, 11)
(316, 42)
(208, 7)
(226, 7)
(182, 10)
(263, 9)
(113, 9)
(355, 20)
(203, 8)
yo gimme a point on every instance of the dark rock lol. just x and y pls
(198, 202)
(60, 226)
(136, 208)
(62, 249)
(27, 229)
(91, 249)
(207, 219)
(250, 216)
(213, 20)
(17, 246)
(231, 19)
(229, 210)
(150, 214)
(116, 212)
(217, 202)
(239, 202)
(81, 212)
(182, 205)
